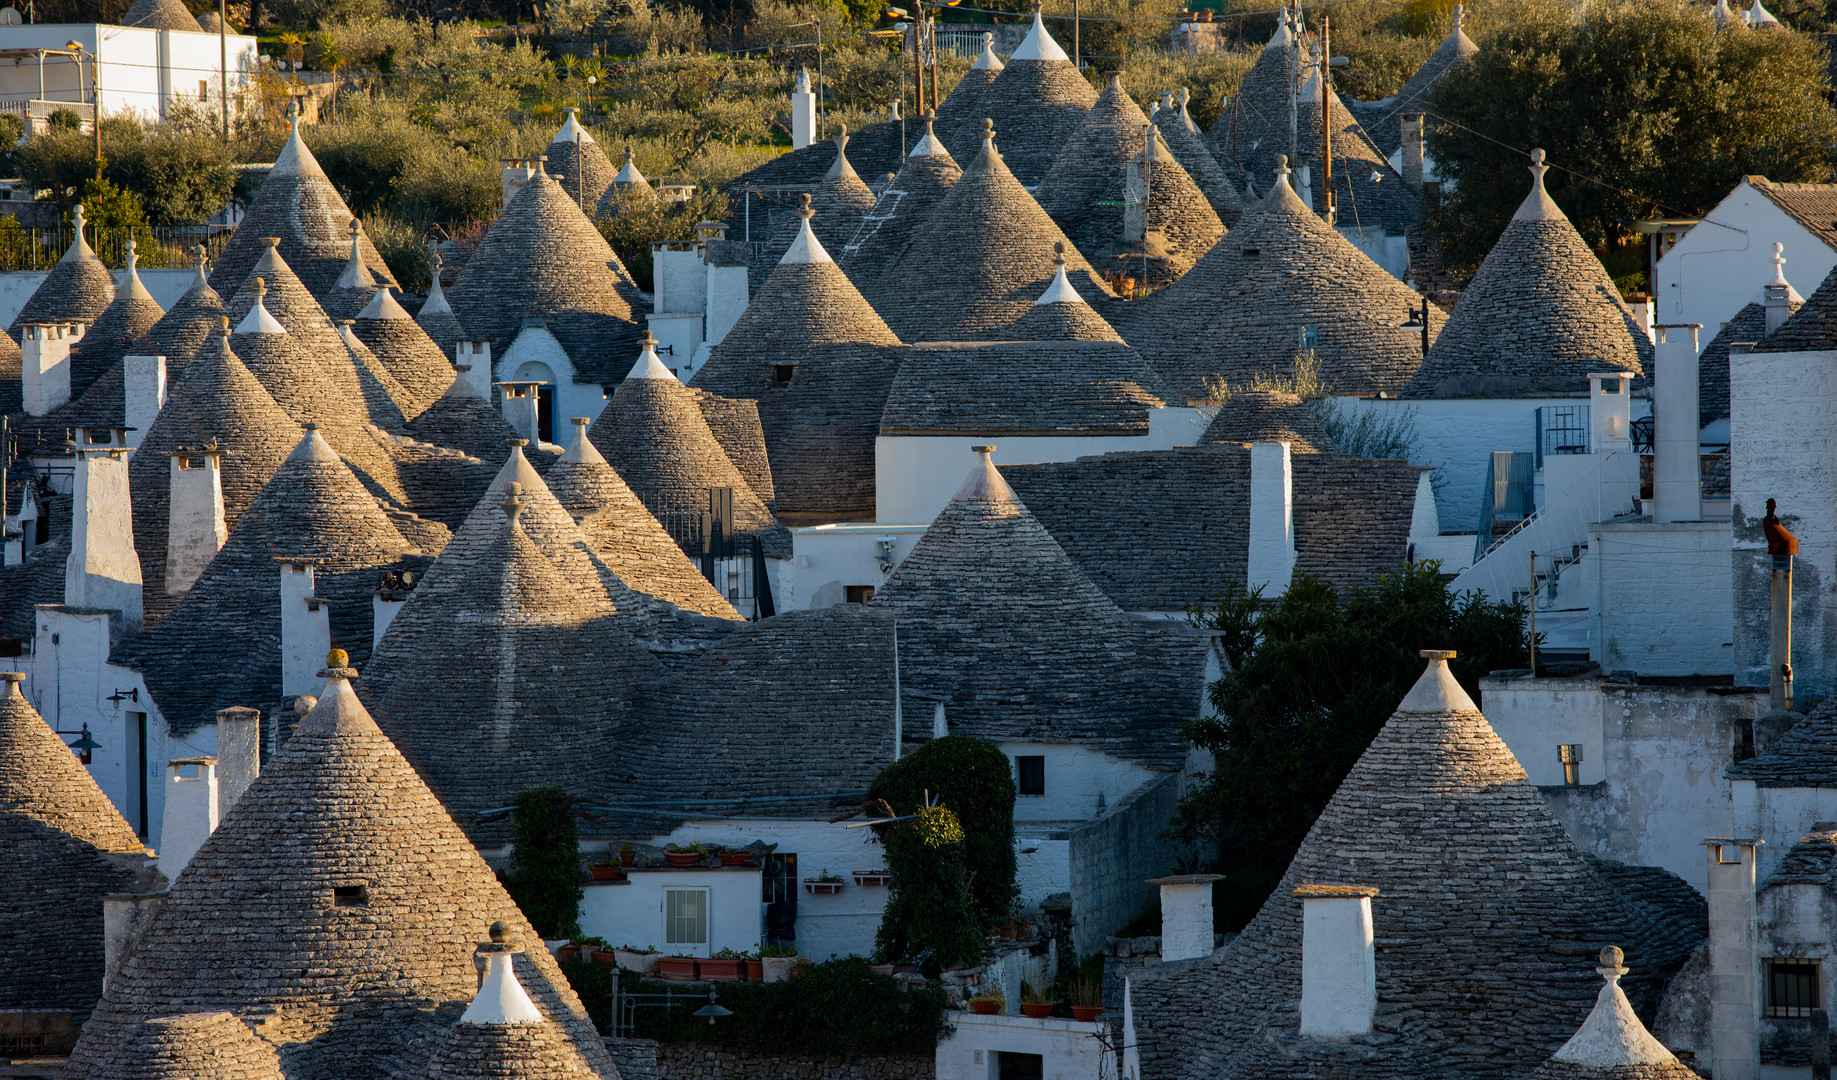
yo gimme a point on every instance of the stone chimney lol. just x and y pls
(517, 172)
(125, 916)
(519, 406)
(44, 370)
(1776, 295)
(239, 758)
(1186, 915)
(1339, 979)
(803, 112)
(1412, 150)
(1677, 465)
(1270, 559)
(306, 629)
(143, 380)
(473, 359)
(195, 527)
(191, 812)
(1610, 412)
(103, 570)
(1734, 960)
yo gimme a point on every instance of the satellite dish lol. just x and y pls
(9, 16)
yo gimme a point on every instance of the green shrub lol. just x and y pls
(403, 246)
(929, 916)
(545, 871)
(972, 777)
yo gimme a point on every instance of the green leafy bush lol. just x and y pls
(545, 871)
(929, 914)
(972, 777)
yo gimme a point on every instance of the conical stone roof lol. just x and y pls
(1060, 314)
(1256, 121)
(436, 315)
(503, 1036)
(297, 204)
(819, 426)
(346, 936)
(192, 1046)
(62, 848)
(980, 261)
(355, 285)
(925, 175)
(654, 434)
(215, 401)
(1371, 196)
(627, 184)
(578, 164)
(120, 331)
(1038, 102)
(510, 676)
(1612, 1044)
(628, 539)
(841, 202)
(1249, 416)
(1383, 119)
(1477, 886)
(183, 330)
(461, 419)
(543, 259)
(1538, 317)
(221, 645)
(160, 15)
(78, 289)
(1244, 310)
(419, 365)
(1190, 150)
(1083, 191)
(961, 112)
(997, 623)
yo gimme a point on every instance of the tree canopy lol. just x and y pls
(1314, 675)
(1645, 108)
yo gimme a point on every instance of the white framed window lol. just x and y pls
(685, 921)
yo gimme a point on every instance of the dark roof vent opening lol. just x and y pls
(350, 895)
(781, 374)
(1251, 253)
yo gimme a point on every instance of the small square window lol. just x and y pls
(1792, 987)
(781, 374)
(1031, 773)
(859, 594)
(350, 895)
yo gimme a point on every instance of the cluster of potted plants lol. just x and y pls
(774, 963)
(824, 884)
(687, 855)
(591, 949)
(1086, 1001)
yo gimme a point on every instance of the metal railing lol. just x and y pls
(23, 248)
(734, 565)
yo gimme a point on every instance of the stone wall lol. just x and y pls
(692, 1062)
(1121, 956)
(1112, 859)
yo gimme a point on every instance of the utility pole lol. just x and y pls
(1294, 90)
(223, 60)
(931, 38)
(1533, 638)
(918, 60)
(1326, 122)
(1781, 547)
(1077, 60)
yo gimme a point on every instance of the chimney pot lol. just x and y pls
(1339, 982)
(191, 812)
(1186, 915)
(1677, 470)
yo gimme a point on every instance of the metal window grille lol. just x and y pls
(1561, 429)
(685, 916)
(1792, 987)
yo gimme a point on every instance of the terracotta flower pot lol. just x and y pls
(676, 967)
(881, 969)
(1038, 1010)
(822, 888)
(1086, 1013)
(984, 1008)
(720, 970)
(778, 968)
(755, 971)
(682, 858)
(628, 858)
(605, 958)
(736, 858)
(567, 952)
(607, 873)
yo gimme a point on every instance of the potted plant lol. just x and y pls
(824, 884)
(873, 877)
(628, 855)
(776, 962)
(675, 966)
(568, 952)
(755, 967)
(1036, 1005)
(1087, 1000)
(724, 966)
(988, 1003)
(735, 856)
(604, 869)
(632, 958)
(685, 856)
(592, 948)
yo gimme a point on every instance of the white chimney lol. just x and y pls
(519, 405)
(103, 570)
(517, 172)
(1270, 559)
(1610, 412)
(143, 381)
(803, 112)
(125, 916)
(44, 370)
(1339, 976)
(1186, 915)
(239, 759)
(306, 630)
(191, 812)
(1677, 466)
(473, 359)
(1734, 960)
(1412, 150)
(195, 527)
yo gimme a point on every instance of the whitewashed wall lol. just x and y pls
(631, 912)
(1721, 263)
(143, 72)
(1663, 596)
(1069, 1050)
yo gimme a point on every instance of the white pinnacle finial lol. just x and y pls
(1613, 1036)
(988, 61)
(1538, 206)
(134, 255)
(1460, 16)
(356, 275)
(78, 215)
(1282, 172)
(1779, 264)
(258, 321)
(1060, 291)
(501, 998)
(648, 366)
(1038, 44)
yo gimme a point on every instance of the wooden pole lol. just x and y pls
(1326, 121)
(931, 25)
(918, 63)
(223, 59)
(1533, 638)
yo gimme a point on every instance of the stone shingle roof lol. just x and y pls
(472, 1051)
(980, 260)
(463, 420)
(654, 433)
(1084, 189)
(1158, 530)
(735, 425)
(543, 259)
(1370, 194)
(625, 536)
(923, 178)
(627, 179)
(62, 848)
(192, 1046)
(360, 983)
(160, 15)
(1038, 102)
(1189, 148)
(576, 161)
(436, 315)
(840, 202)
(1539, 315)
(1812, 859)
(118, 332)
(1813, 206)
(297, 204)
(78, 289)
(819, 428)
(1813, 324)
(214, 401)
(1244, 309)
(999, 625)
(420, 366)
(1060, 314)
(1477, 887)
(1022, 387)
(355, 286)
(509, 674)
(1384, 118)
(1748, 326)
(1256, 121)
(220, 646)
(874, 150)
(1805, 756)
(1266, 416)
(182, 331)
(962, 111)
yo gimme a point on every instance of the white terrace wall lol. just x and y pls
(165, 286)
(1662, 602)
